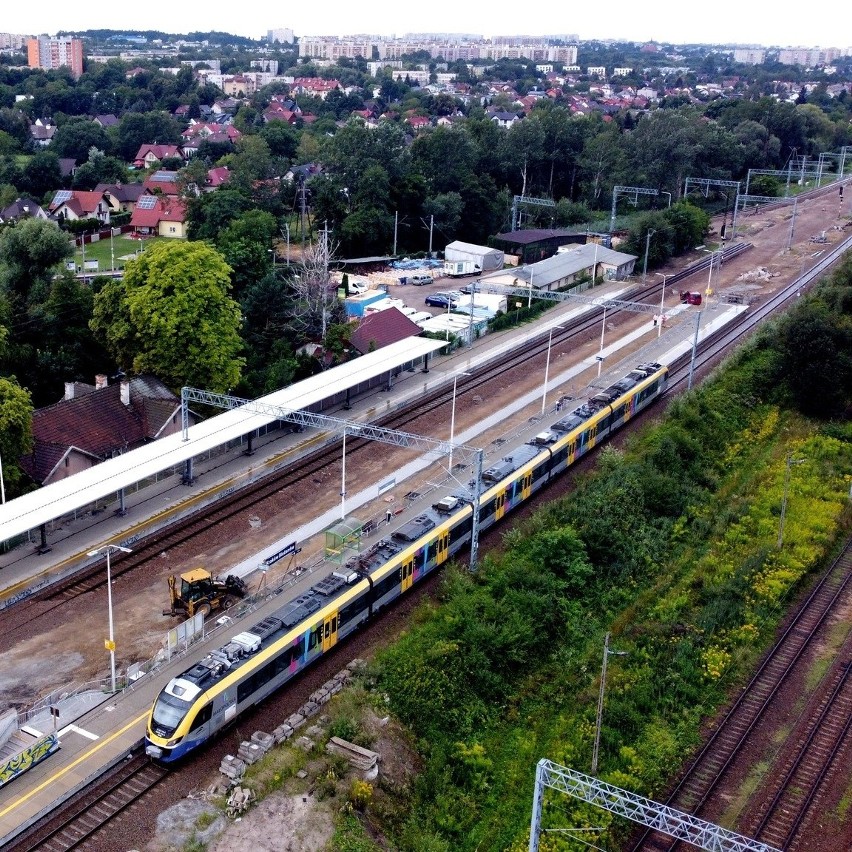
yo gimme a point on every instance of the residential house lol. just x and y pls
(93, 423)
(278, 112)
(162, 182)
(202, 131)
(382, 328)
(149, 156)
(159, 216)
(79, 204)
(418, 122)
(22, 208)
(217, 176)
(315, 86)
(504, 119)
(225, 106)
(106, 121)
(67, 166)
(42, 134)
(121, 197)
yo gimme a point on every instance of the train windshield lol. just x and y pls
(168, 712)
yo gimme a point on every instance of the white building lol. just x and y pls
(285, 36)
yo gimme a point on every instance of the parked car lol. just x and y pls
(356, 288)
(440, 300)
(419, 280)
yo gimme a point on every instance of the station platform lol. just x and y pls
(94, 738)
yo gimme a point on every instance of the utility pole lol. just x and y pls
(431, 225)
(648, 236)
(395, 226)
(596, 746)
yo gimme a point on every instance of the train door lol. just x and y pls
(500, 506)
(329, 632)
(572, 452)
(526, 485)
(591, 434)
(407, 574)
(229, 704)
(442, 547)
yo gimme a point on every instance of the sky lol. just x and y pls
(658, 20)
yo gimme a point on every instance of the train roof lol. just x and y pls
(240, 649)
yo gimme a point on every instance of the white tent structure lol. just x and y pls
(487, 259)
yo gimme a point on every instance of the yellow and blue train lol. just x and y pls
(197, 704)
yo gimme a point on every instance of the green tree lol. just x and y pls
(173, 315)
(816, 358)
(41, 174)
(99, 169)
(16, 439)
(140, 128)
(212, 211)
(246, 245)
(29, 253)
(75, 138)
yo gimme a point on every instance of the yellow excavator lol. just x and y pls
(201, 592)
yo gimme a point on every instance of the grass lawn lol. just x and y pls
(122, 247)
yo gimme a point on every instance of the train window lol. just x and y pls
(315, 637)
(353, 609)
(201, 717)
(390, 582)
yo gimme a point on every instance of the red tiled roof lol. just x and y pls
(165, 209)
(218, 176)
(81, 202)
(159, 151)
(381, 329)
(97, 423)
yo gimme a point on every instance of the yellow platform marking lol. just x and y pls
(53, 778)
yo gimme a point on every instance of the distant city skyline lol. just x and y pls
(622, 21)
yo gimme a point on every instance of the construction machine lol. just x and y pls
(201, 592)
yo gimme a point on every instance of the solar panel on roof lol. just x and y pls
(166, 177)
(62, 196)
(147, 202)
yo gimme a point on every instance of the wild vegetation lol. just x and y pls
(672, 545)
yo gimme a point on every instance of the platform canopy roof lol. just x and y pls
(74, 492)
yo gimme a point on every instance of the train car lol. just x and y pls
(198, 703)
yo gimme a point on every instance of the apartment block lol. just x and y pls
(51, 53)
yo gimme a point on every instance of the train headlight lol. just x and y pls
(173, 742)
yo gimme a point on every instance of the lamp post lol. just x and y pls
(110, 643)
(2, 485)
(453, 420)
(603, 329)
(111, 252)
(547, 365)
(343, 480)
(662, 303)
(712, 252)
(790, 462)
(606, 655)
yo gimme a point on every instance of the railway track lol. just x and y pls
(304, 469)
(80, 819)
(800, 779)
(707, 770)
